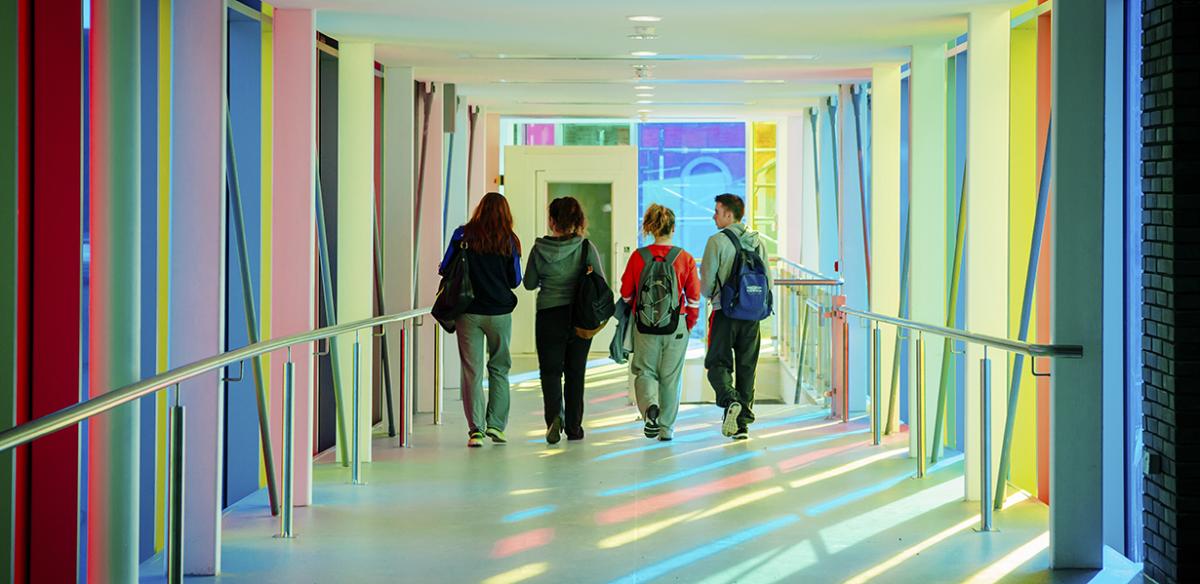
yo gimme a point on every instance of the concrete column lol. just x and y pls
(197, 229)
(928, 214)
(885, 222)
(355, 248)
(398, 220)
(987, 225)
(458, 210)
(1076, 440)
(293, 231)
(115, 332)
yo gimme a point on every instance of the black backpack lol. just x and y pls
(657, 294)
(455, 293)
(593, 300)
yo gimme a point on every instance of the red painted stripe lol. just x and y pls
(57, 139)
(21, 516)
(1043, 280)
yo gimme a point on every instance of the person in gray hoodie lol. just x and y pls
(731, 342)
(555, 266)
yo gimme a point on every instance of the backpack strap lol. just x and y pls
(673, 255)
(585, 247)
(737, 256)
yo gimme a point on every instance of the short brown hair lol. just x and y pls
(658, 221)
(567, 216)
(734, 203)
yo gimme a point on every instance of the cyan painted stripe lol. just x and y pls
(529, 513)
(683, 474)
(665, 567)
(873, 489)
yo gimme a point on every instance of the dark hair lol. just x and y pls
(567, 216)
(734, 203)
(658, 221)
(490, 230)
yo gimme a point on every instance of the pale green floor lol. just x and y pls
(804, 500)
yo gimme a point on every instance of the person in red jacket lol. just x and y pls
(661, 285)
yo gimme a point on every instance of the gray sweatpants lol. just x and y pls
(657, 367)
(476, 332)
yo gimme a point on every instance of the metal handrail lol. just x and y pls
(805, 282)
(78, 412)
(1031, 349)
(810, 272)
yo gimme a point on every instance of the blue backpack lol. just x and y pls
(746, 296)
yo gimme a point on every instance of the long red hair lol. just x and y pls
(490, 229)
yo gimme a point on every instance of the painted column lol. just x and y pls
(293, 231)
(398, 221)
(356, 187)
(1076, 439)
(429, 233)
(800, 131)
(493, 152)
(828, 198)
(928, 215)
(57, 141)
(987, 224)
(885, 223)
(457, 211)
(14, 21)
(114, 300)
(480, 182)
(197, 231)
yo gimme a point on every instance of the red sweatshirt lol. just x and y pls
(685, 274)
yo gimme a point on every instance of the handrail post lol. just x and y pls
(920, 417)
(289, 412)
(355, 464)
(985, 442)
(175, 502)
(437, 375)
(876, 406)
(410, 349)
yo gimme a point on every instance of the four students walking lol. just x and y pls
(659, 283)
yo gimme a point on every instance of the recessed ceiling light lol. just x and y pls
(644, 111)
(645, 95)
(644, 54)
(645, 18)
(644, 101)
(644, 87)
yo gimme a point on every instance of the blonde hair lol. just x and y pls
(658, 221)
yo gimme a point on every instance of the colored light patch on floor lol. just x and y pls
(519, 574)
(662, 568)
(796, 462)
(657, 503)
(529, 514)
(846, 468)
(875, 489)
(1005, 566)
(522, 542)
(848, 533)
(675, 476)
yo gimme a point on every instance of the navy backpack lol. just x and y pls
(747, 295)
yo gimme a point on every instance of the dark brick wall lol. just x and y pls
(1171, 285)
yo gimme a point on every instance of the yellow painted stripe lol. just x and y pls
(268, 182)
(164, 260)
(1023, 161)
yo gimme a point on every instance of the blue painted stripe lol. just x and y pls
(685, 559)
(880, 487)
(683, 474)
(529, 513)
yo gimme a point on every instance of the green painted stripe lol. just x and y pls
(8, 271)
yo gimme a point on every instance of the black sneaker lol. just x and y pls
(741, 434)
(730, 425)
(652, 426)
(554, 432)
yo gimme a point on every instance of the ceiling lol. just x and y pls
(573, 57)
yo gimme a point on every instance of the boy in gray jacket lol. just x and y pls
(730, 342)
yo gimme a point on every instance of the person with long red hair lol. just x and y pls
(493, 253)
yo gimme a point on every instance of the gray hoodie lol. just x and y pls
(555, 265)
(718, 260)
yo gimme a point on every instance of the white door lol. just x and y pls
(604, 180)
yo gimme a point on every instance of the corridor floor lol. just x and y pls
(805, 500)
